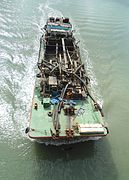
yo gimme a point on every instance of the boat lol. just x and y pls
(63, 109)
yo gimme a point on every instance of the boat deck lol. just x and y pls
(41, 123)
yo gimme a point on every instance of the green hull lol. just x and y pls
(59, 114)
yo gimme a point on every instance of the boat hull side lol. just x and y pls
(65, 140)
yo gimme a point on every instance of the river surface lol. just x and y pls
(103, 30)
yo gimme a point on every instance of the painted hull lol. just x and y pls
(65, 141)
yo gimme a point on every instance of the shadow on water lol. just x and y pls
(85, 161)
(71, 152)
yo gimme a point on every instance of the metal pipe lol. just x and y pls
(41, 54)
(54, 68)
(60, 63)
(79, 67)
(69, 58)
(64, 52)
(47, 62)
(56, 50)
(47, 65)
